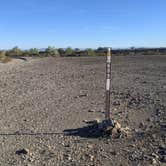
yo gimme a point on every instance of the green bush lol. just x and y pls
(3, 57)
(69, 51)
(51, 51)
(90, 52)
(25, 53)
(14, 52)
(33, 52)
(61, 51)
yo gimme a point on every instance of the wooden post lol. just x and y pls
(108, 85)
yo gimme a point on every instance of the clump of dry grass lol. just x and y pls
(3, 57)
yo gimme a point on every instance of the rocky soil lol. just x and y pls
(42, 98)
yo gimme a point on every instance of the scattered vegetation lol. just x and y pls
(32, 52)
(90, 52)
(3, 57)
(69, 51)
(14, 52)
(51, 51)
(56, 52)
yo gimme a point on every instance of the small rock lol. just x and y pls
(91, 157)
(136, 130)
(144, 82)
(83, 95)
(28, 165)
(90, 146)
(149, 119)
(115, 133)
(49, 147)
(67, 145)
(91, 110)
(125, 132)
(153, 136)
(113, 153)
(154, 162)
(162, 146)
(46, 109)
(116, 103)
(158, 112)
(141, 125)
(117, 125)
(155, 156)
(85, 121)
(22, 151)
(96, 121)
(69, 158)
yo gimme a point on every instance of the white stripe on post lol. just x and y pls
(109, 58)
(108, 84)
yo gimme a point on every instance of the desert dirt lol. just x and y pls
(42, 97)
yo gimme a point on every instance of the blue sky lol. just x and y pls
(82, 23)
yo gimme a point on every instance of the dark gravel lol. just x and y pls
(42, 97)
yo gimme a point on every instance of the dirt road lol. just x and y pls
(40, 98)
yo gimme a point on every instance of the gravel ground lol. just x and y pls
(42, 97)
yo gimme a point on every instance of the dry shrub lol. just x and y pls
(3, 57)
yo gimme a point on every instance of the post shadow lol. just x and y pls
(89, 131)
